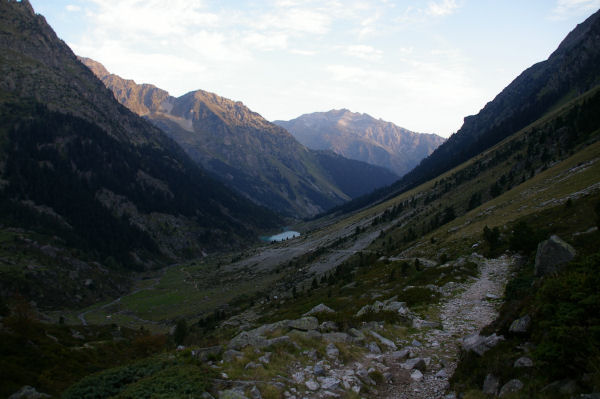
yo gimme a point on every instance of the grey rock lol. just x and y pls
(399, 355)
(204, 353)
(418, 323)
(252, 365)
(523, 362)
(416, 343)
(357, 334)
(311, 354)
(374, 348)
(336, 337)
(318, 370)
(511, 386)
(328, 326)
(365, 309)
(298, 377)
(247, 338)
(231, 394)
(332, 351)
(28, 392)
(320, 308)
(206, 395)
(595, 395)
(304, 324)
(480, 344)
(521, 325)
(266, 358)
(363, 374)
(441, 374)
(231, 354)
(551, 255)
(395, 306)
(491, 384)
(255, 393)
(312, 385)
(416, 375)
(387, 342)
(329, 382)
(275, 341)
(416, 363)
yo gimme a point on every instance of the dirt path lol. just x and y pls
(463, 314)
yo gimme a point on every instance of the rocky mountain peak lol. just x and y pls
(97, 68)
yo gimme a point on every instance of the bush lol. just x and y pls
(524, 238)
(568, 318)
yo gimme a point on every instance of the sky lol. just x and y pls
(423, 65)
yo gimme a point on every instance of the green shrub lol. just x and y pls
(524, 238)
(568, 317)
(112, 382)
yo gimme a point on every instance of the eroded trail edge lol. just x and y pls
(474, 306)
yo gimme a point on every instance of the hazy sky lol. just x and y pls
(423, 65)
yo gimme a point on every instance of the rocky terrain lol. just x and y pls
(413, 359)
(364, 138)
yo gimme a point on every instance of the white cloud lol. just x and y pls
(364, 52)
(73, 8)
(303, 52)
(442, 8)
(296, 21)
(566, 8)
(259, 41)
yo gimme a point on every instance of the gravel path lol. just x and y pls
(464, 314)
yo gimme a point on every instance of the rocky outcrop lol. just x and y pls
(551, 255)
(520, 325)
(364, 138)
(480, 344)
(320, 308)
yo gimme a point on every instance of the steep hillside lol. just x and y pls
(569, 71)
(248, 153)
(364, 138)
(83, 178)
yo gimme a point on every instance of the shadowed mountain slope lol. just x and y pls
(257, 158)
(77, 166)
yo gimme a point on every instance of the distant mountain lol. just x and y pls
(257, 158)
(99, 180)
(364, 138)
(569, 71)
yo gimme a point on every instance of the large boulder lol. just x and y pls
(480, 344)
(551, 255)
(387, 342)
(304, 323)
(520, 325)
(320, 308)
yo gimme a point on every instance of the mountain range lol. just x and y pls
(364, 138)
(245, 151)
(572, 69)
